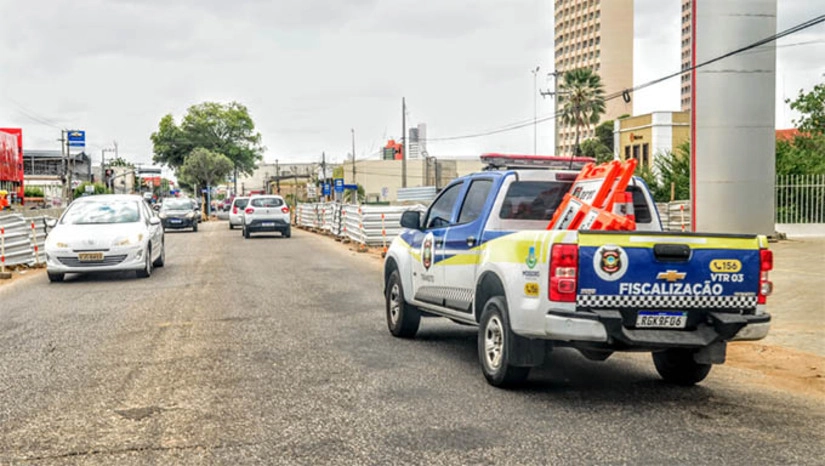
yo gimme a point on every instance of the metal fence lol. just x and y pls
(422, 194)
(675, 215)
(365, 224)
(800, 199)
(23, 239)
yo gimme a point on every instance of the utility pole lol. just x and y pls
(535, 108)
(235, 179)
(70, 170)
(65, 164)
(323, 174)
(353, 155)
(278, 177)
(103, 165)
(403, 142)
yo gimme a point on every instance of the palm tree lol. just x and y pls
(581, 94)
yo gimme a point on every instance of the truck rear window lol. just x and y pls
(533, 200)
(640, 208)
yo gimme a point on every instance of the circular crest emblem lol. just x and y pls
(427, 251)
(610, 262)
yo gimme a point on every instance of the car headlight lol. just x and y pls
(190, 215)
(127, 240)
(162, 215)
(57, 244)
(122, 241)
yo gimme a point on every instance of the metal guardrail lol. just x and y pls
(24, 238)
(422, 194)
(675, 215)
(368, 225)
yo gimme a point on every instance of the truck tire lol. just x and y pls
(677, 366)
(402, 319)
(495, 343)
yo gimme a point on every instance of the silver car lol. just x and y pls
(105, 233)
(236, 212)
(266, 213)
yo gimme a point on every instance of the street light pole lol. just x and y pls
(535, 109)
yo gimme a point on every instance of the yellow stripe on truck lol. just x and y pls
(515, 247)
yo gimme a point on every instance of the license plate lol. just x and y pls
(268, 224)
(661, 319)
(176, 220)
(90, 256)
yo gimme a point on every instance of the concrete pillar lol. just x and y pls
(732, 122)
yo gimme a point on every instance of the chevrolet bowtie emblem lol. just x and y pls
(671, 275)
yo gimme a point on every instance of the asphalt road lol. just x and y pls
(275, 351)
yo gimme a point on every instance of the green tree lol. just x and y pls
(803, 155)
(811, 107)
(593, 147)
(33, 191)
(99, 188)
(674, 170)
(227, 129)
(120, 162)
(604, 133)
(654, 185)
(581, 95)
(203, 168)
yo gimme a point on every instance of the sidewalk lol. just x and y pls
(797, 305)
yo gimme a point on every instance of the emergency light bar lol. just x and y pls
(511, 161)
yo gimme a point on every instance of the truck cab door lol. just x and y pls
(427, 269)
(461, 246)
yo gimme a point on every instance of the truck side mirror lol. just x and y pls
(411, 219)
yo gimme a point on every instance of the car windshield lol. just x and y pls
(241, 203)
(267, 202)
(177, 204)
(94, 213)
(533, 200)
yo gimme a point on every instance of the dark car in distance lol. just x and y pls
(177, 213)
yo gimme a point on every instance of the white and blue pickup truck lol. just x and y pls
(481, 255)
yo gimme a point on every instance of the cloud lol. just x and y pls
(310, 70)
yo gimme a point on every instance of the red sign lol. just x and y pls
(11, 157)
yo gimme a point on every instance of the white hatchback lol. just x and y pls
(266, 213)
(236, 212)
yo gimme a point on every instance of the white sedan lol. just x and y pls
(105, 233)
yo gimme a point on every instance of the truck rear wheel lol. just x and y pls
(402, 319)
(677, 366)
(495, 346)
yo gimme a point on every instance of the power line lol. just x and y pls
(521, 124)
(792, 30)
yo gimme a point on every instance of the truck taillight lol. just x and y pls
(765, 284)
(235, 210)
(249, 210)
(564, 271)
(285, 209)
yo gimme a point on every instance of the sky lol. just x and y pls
(311, 70)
